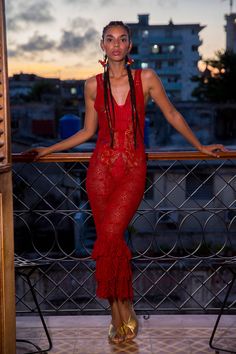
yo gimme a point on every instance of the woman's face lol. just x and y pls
(116, 43)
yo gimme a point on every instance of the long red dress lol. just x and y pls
(115, 185)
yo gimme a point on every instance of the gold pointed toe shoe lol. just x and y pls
(116, 336)
(131, 328)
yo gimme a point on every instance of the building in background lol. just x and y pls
(33, 119)
(38, 103)
(171, 50)
(230, 29)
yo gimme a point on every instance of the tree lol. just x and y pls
(217, 82)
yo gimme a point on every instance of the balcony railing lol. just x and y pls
(185, 224)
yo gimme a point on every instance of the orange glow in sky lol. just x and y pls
(51, 70)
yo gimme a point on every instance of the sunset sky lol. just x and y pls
(60, 38)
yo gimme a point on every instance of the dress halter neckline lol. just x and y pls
(128, 94)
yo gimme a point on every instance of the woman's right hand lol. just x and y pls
(36, 152)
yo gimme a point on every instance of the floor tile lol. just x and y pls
(102, 346)
(167, 346)
(163, 334)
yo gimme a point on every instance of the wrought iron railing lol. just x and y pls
(185, 224)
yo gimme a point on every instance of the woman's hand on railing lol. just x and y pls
(36, 152)
(213, 150)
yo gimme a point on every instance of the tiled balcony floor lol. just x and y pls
(161, 334)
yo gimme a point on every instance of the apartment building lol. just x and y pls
(172, 50)
(230, 29)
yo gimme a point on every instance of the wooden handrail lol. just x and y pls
(155, 155)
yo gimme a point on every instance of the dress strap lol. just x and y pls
(99, 79)
(137, 77)
(99, 95)
(139, 92)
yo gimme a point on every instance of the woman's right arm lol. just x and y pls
(89, 129)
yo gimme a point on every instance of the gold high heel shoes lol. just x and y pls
(116, 336)
(131, 328)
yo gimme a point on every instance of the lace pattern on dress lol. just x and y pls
(124, 149)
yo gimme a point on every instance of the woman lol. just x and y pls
(115, 101)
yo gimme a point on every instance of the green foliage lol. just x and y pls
(217, 83)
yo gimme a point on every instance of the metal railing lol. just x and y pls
(185, 224)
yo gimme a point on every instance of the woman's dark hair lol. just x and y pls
(110, 111)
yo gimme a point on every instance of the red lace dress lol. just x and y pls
(115, 185)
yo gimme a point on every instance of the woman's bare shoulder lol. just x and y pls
(91, 86)
(148, 74)
(150, 79)
(91, 81)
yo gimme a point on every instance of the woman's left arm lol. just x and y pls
(157, 92)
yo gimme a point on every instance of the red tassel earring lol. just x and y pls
(104, 62)
(129, 61)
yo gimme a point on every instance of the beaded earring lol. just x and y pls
(129, 61)
(104, 62)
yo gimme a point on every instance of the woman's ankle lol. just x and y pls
(125, 309)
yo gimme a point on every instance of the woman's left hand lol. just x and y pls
(213, 150)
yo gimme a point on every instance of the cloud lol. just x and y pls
(19, 17)
(91, 2)
(9, 6)
(81, 22)
(105, 2)
(79, 34)
(12, 24)
(11, 53)
(38, 12)
(79, 2)
(10, 14)
(167, 3)
(37, 43)
(70, 42)
(99, 3)
(73, 40)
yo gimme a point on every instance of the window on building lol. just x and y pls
(200, 186)
(171, 48)
(194, 48)
(144, 65)
(145, 33)
(171, 63)
(73, 90)
(169, 32)
(172, 79)
(175, 95)
(205, 115)
(134, 49)
(158, 65)
(156, 49)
